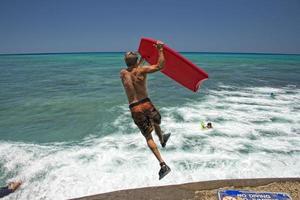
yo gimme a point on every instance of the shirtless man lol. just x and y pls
(10, 188)
(143, 112)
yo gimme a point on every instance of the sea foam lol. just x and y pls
(254, 135)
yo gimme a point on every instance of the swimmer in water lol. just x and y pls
(208, 126)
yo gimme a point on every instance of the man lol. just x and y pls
(10, 188)
(143, 112)
(208, 126)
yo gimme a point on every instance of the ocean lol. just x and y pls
(66, 130)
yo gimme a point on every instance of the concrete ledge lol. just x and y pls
(201, 190)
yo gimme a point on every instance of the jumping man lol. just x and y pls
(143, 112)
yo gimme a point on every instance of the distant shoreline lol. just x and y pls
(190, 52)
(203, 190)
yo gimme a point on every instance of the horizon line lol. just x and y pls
(203, 52)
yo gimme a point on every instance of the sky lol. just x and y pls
(43, 26)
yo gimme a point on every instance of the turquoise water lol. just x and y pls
(65, 119)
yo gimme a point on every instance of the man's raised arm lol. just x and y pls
(161, 60)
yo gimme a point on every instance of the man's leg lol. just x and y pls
(163, 138)
(153, 147)
(156, 120)
(158, 132)
(164, 169)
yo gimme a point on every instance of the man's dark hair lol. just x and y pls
(131, 58)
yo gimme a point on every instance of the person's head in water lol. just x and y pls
(209, 125)
(131, 58)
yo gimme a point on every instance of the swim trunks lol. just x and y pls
(5, 191)
(144, 114)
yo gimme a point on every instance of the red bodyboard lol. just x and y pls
(176, 67)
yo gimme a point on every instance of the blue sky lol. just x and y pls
(28, 26)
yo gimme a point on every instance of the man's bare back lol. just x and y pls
(135, 84)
